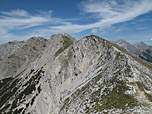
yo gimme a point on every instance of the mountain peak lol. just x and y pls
(141, 44)
(122, 41)
(62, 36)
(91, 76)
(140, 50)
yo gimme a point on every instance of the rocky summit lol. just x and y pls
(68, 76)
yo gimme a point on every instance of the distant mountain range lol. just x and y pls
(62, 75)
(140, 50)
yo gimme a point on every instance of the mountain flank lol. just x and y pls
(86, 76)
(15, 55)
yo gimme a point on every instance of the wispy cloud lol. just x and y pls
(141, 28)
(110, 12)
(106, 12)
(118, 30)
(21, 19)
(18, 12)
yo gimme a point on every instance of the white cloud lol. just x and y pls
(121, 10)
(107, 12)
(94, 30)
(110, 12)
(21, 19)
(141, 28)
(118, 30)
(17, 12)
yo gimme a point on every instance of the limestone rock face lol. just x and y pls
(15, 55)
(9, 48)
(87, 76)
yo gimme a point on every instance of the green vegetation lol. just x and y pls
(4, 108)
(142, 87)
(117, 56)
(30, 87)
(39, 89)
(113, 99)
(59, 51)
(11, 42)
(13, 56)
(117, 99)
(11, 89)
(32, 101)
(18, 111)
(8, 91)
(90, 36)
(66, 43)
(44, 45)
(65, 104)
(27, 104)
(149, 97)
(34, 48)
(4, 82)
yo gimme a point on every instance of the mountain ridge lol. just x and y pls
(90, 75)
(141, 50)
(16, 54)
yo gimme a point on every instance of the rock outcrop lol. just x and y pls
(15, 55)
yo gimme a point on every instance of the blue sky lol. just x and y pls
(111, 19)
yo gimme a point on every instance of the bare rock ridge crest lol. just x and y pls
(68, 76)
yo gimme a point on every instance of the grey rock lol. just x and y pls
(140, 50)
(16, 54)
(90, 75)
